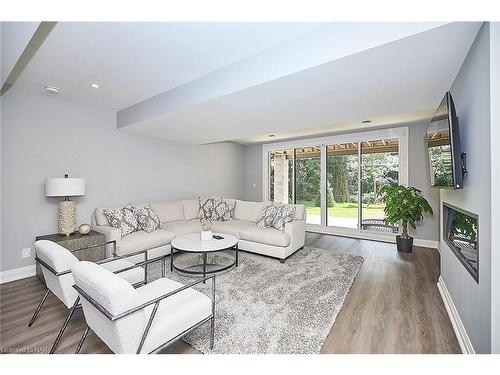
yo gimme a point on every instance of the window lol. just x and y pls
(379, 167)
(338, 178)
(342, 185)
(308, 182)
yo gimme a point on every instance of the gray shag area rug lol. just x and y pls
(265, 307)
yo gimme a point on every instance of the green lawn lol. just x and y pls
(347, 210)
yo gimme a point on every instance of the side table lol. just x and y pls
(77, 241)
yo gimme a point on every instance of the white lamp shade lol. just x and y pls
(64, 187)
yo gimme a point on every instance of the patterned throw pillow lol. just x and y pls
(284, 214)
(232, 208)
(267, 216)
(207, 207)
(124, 219)
(222, 210)
(147, 218)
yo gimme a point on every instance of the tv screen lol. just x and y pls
(443, 144)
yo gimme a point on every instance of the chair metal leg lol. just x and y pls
(84, 336)
(212, 321)
(212, 332)
(163, 265)
(65, 324)
(39, 308)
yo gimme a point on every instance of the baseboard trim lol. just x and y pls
(456, 322)
(390, 238)
(426, 243)
(17, 274)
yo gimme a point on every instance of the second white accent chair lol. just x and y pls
(142, 320)
(56, 262)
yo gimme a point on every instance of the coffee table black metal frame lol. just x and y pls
(204, 272)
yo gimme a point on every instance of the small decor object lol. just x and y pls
(84, 228)
(404, 205)
(65, 187)
(124, 219)
(206, 225)
(206, 235)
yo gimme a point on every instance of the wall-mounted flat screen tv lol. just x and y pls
(446, 161)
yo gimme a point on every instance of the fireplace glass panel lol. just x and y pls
(461, 234)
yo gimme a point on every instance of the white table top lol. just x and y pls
(192, 242)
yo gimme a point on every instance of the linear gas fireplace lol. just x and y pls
(460, 232)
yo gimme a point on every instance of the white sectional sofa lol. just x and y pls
(181, 217)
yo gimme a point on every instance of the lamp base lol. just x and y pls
(67, 217)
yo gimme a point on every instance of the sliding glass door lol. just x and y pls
(379, 167)
(342, 185)
(339, 178)
(308, 182)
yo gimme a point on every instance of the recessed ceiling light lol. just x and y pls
(52, 90)
(94, 85)
(271, 135)
(366, 121)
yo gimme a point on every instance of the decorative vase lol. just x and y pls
(67, 217)
(84, 228)
(206, 224)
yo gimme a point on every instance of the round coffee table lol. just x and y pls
(192, 243)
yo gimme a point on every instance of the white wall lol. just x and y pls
(471, 94)
(495, 183)
(45, 136)
(418, 177)
(253, 172)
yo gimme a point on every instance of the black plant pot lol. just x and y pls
(404, 245)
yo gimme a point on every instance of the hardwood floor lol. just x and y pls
(393, 307)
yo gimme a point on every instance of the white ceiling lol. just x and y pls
(133, 61)
(396, 81)
(212, 82)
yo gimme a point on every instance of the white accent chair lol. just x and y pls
(56, 262)
(142, 320)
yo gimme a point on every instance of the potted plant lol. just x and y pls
(404, 205)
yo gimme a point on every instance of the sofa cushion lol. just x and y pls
(147, 218)
(169, 211)
(232, 205)
(222, 210)
(248, 210)
(267, 216)
(207, 207)
(285, 213)
(191, 208)
(232, 226)
(100, 219)
(183, 227)
(140, 240)
(269, 236)
(124, 218)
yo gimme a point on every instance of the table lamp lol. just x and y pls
(65, 187)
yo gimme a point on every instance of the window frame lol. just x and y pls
(401, 133)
